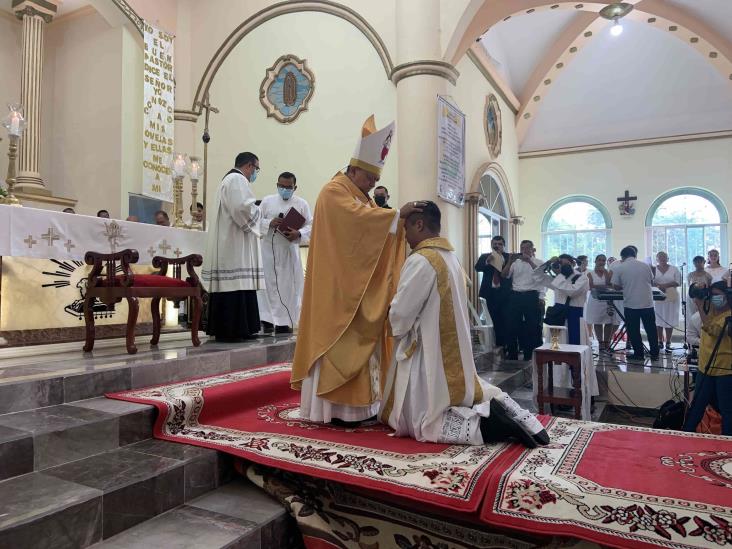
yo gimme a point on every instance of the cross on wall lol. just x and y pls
(627, 198)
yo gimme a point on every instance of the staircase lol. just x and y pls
(78, 469)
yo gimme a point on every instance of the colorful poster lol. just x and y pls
(450, 153)
(158, 122)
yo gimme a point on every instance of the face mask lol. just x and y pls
(253, 176)
(719, 301)
(380, 201)
(567, 270)
(286, 194)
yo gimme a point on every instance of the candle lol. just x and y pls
(14, 124)
(179, 165)
(195, 168)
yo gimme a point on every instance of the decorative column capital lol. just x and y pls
(425, 67)
(41, 8)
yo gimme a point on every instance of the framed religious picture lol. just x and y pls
(493, 128)
(287, 89)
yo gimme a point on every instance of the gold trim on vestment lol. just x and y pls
(452, 362)
(356, 163)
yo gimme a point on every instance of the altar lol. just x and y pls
(43, 274)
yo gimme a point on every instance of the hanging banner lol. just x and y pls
(450, 153)
(159, 104)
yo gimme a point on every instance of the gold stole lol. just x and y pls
(449, 345)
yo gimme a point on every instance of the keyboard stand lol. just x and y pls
(622, 330)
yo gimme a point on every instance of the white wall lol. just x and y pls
(81, 142)
(647, 172)
(10, 31)
(350, 84)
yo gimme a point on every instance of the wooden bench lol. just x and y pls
(111, 280)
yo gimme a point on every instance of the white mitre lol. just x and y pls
(373, 148)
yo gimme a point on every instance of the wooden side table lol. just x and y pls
(573, 359)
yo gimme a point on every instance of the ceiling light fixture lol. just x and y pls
(615, 12)
(617, 28)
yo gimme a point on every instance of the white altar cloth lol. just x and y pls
(45, 234)
(562, 378)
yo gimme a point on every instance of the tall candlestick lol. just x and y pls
(14, 124)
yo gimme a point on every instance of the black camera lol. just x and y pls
(696, 292)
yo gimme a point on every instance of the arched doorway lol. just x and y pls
(492, 212)
(489, 213)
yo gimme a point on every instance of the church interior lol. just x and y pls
(151, 358)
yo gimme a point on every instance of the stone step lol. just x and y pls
(238, 514)
(35, 440)
(85, 501)
(38, 385)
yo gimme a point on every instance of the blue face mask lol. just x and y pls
(286, 194)
(719, 301)
(253, 176)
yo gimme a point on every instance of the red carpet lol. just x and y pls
(620, 486)
(613, 485)
(253, 414)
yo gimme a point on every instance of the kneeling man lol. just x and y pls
(432, 391)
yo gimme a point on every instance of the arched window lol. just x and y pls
(492, 213)
(576, 225)
(685, 223)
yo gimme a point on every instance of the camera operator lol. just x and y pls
(714, 379)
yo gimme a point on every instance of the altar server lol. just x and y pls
(279, 303)
(232, 269)
(356, 252)
(433, 392)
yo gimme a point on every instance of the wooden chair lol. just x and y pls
(104, 283)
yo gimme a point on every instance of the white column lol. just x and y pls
(34, 14)
(420, 76)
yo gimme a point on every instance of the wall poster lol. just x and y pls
(450, 153)
(159, 106)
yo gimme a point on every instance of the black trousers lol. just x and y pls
(633, 319)
(497, 302)
(523, 322)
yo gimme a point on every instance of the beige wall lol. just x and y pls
(81, 144)
(10, 30)
(350, 84)
(646, 172)
(470, 96)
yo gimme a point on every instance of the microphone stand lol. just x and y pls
(683, 304)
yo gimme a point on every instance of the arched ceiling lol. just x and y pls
(631, 87)
(668, 74)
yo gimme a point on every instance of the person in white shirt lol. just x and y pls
(280, 301)
(635, 279)
(570, 287)
(666, 278)
(716, 271)
(600, 313)
(523, 304)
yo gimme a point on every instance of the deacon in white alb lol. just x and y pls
(433, 392)
(279, 303)
(232, 267)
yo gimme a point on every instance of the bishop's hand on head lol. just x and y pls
(409, 208)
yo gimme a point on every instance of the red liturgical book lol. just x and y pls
(292, 220)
